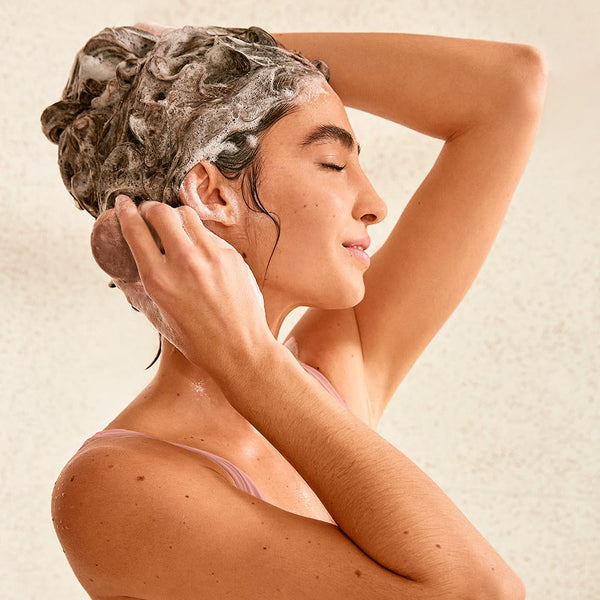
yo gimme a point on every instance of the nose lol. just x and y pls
(369, 207)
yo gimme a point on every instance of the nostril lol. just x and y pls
(370, 218)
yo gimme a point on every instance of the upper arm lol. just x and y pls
(440, 242)
(156, 528)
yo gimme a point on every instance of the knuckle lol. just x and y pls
(153, 209)
(186, 211)
(154, 283)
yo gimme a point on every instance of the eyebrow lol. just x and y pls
(326, 133)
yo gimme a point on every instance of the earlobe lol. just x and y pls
(204, 190)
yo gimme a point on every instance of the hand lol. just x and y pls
(203, 296)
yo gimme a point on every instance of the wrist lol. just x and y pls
(247, 360)
(252, 376)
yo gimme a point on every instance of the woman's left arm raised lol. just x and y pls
(485, 100)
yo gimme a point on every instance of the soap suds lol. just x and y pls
(138, 112)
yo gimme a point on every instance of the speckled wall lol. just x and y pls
(501, 410)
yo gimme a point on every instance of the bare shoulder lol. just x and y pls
(137, 521)
(103, 487)
(329, 341)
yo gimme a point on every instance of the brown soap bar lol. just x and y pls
(110, 250)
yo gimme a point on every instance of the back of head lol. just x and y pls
(138, 112)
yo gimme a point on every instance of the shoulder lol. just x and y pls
(113, 488)
(329, 341)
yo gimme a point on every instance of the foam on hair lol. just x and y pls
(138, 112)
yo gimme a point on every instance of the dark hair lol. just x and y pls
(139, 112)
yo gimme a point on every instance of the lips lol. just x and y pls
(362, 243)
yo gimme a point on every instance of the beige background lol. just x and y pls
(501, 409)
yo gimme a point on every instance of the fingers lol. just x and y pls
(138, 236)
(198, 232)
(155, 224)
(167, 224)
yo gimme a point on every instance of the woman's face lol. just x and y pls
(320, 207)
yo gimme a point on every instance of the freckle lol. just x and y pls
(437, 546)
(264, 547)
(357, 572)
(317, 576)
(178, 394)
(186, 496)
(305, 207)
(170, 547)
(96, 564)
(201, 439)
(243, 255)
(110, 466)
(73, 478)
(140, 478)
(493, 569)
(406, 532)
(91, 579)
(101, 522)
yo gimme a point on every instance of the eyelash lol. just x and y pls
(333, 167)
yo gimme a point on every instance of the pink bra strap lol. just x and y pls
(323, 381)
(242, 480)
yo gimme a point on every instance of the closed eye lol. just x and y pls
(332, 166)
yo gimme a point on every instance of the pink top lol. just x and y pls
(241, 480)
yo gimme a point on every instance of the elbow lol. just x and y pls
(508, 587)
(526, 88)
(534, 74)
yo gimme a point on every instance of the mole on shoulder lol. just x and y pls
(140, 478)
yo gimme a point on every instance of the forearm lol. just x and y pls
(436, 85)
(378, 497)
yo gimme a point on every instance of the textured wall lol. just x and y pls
(501, 409)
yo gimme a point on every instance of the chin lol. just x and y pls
(346, 295)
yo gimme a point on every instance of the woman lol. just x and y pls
(249, 468)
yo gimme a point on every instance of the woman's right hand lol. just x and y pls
(203, 298)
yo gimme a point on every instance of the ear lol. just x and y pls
(210, 194)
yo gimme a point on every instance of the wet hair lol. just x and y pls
(139, 112)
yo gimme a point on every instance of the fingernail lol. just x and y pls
(121, 200)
